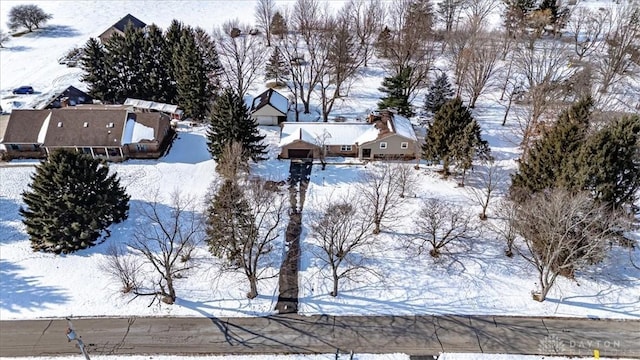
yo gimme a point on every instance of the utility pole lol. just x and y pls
(71, 335)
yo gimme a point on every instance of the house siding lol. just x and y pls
(108, 33)
(393, 148)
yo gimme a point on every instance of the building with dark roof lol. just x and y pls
(120, 26)
(269, 108)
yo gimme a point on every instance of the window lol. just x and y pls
(345, 148)
(383, 145)
(141, 147)
(14, 147)
(404, 145)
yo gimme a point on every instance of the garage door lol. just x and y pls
(300, 153)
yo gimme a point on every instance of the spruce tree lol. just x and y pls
(229, 223)
(156, 63)
(211, 59)
(191, 77)
(71, 200)
(229, 121)
(396, 96)
(93, 63)
(454, 137)
(276, 68)
(279, 25)
(611, 162)
(439, 93)
(553, 162)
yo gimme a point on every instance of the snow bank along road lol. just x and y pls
(413, 335)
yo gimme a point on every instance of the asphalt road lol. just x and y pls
(290, 333)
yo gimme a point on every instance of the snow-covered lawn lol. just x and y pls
(474, 278)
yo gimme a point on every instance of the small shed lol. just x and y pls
(120, 26)
(269, 108)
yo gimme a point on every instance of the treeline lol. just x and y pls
(179, 66)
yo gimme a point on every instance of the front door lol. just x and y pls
(366, 153)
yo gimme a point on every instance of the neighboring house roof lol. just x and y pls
(70, 92)
(152, 105)
(333, 133)
(75, 126)
(273, 98)
(135, 22)
(24, 126)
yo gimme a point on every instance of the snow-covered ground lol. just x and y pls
(474, 278)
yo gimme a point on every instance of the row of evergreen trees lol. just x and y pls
(578, 153)
(179, 66)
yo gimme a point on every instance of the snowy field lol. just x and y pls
(473, 278)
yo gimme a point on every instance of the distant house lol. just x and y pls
(384, 136)
(70, 96)
(150, 106)
(103, 132)
(120, 26)
(269, 108)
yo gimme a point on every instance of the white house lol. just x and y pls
(269, 108)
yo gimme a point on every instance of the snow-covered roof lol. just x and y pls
(134, 132)
(273, 98)
(402, 126)
(333, 133)
(152, 105)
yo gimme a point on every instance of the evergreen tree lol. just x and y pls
(211, 59)
(454, 137)
(396, 93)
(229, 223)
(553, 162)
(230, 121)
(611, 162)
(279, 25)
(93, 63)
(191, 77)
(71, 200)
(156, 63)
(125, 70)
(276, 68)
(439, 93)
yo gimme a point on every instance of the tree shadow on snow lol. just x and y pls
(10, 222)
(24, 292)
(56, 31)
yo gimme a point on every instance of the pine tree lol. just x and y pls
(93, 63)
(230, 121)
(611, 162)
(439, 93)
(279, 25)
(454, 137)
(229, 223)
(553, 162)
(211, 59)
(71, 200)
(156, 63)
(396, 95)
(191, 77)
(276, 68)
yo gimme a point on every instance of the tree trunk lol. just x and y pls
(253, 287)
(334, 272)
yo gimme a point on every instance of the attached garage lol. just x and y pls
(300, 153)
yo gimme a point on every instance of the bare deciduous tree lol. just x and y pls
(439, 224)
(379, 188)
(233, 161)
(478, 12)
(406, 177)
(504, 225)
(489, 179)
(242, 56)
(562, 233)
(265, 9)
(366, 19)
(245, 221)
(123, 267)
(321, 142)
(483, 54)
(166, 237)
(586, 27)
(342, 229)
(621, 58)
(4, 37)
(449, 12)
(543, 69)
